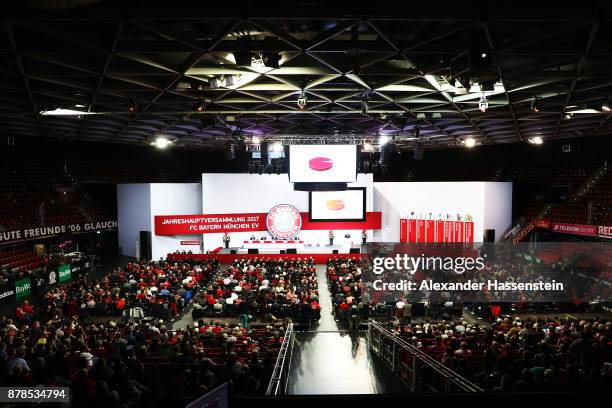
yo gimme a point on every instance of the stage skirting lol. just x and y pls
(230, 258)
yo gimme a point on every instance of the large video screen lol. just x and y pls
(322, 163)
(346, 205)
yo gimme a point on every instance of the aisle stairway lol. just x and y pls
(330, 361)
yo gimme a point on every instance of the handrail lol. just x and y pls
(281, 367)
(461, 382)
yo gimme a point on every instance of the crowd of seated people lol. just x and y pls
(518, 356)
(160, 289)
(351, 303)
(272, 289)
(136, 365)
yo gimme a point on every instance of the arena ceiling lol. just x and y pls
(415, 71)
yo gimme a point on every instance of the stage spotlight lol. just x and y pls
(255, 139)
(367, 167)
(302, 101)
(276, 147)
(198, 105)
(535, 105)
(383, 140)
(483, 104)
(365, 106)
(606, 106)
(367, 147)
(568, 116)
(133, 106)
(271, 59)
(469, 142)
(161, 142)
(536, 140)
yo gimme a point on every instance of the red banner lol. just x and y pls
(439, 231)
(412, 231)
(420, 227)
(604, 231)
(430, 231)
(449, 231)
(248, 222)
(577, 229)
(469, 232)
(459, 231)
(403, 230)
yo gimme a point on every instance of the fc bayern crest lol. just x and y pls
(284, 221)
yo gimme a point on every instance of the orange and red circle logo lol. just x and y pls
(284, 221)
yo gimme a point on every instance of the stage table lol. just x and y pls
(273, 244)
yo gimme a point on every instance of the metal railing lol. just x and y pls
(280, 375)
(420, 372)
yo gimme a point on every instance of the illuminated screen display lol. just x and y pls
(346, 205)
(322, 163)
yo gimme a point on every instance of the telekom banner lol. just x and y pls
(577, 229)
(248, 222)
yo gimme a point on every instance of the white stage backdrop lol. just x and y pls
(254, 193)
(489, 203)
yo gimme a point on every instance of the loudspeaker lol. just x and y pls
(354, 250)
(489, 235)
(253, 251)
(335, 251)
(291, 251)
(145, 245)
(232, 251)
(282, 251)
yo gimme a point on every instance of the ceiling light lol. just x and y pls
(383, 140)
(483, 55)
(483, 104)
(161, 142)
(64, 112)
(302, 101)
(535, 105)
(198, 105)
(469, 142)
(536, 140)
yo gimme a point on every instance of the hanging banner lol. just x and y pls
(43, 232)
(23, 288)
